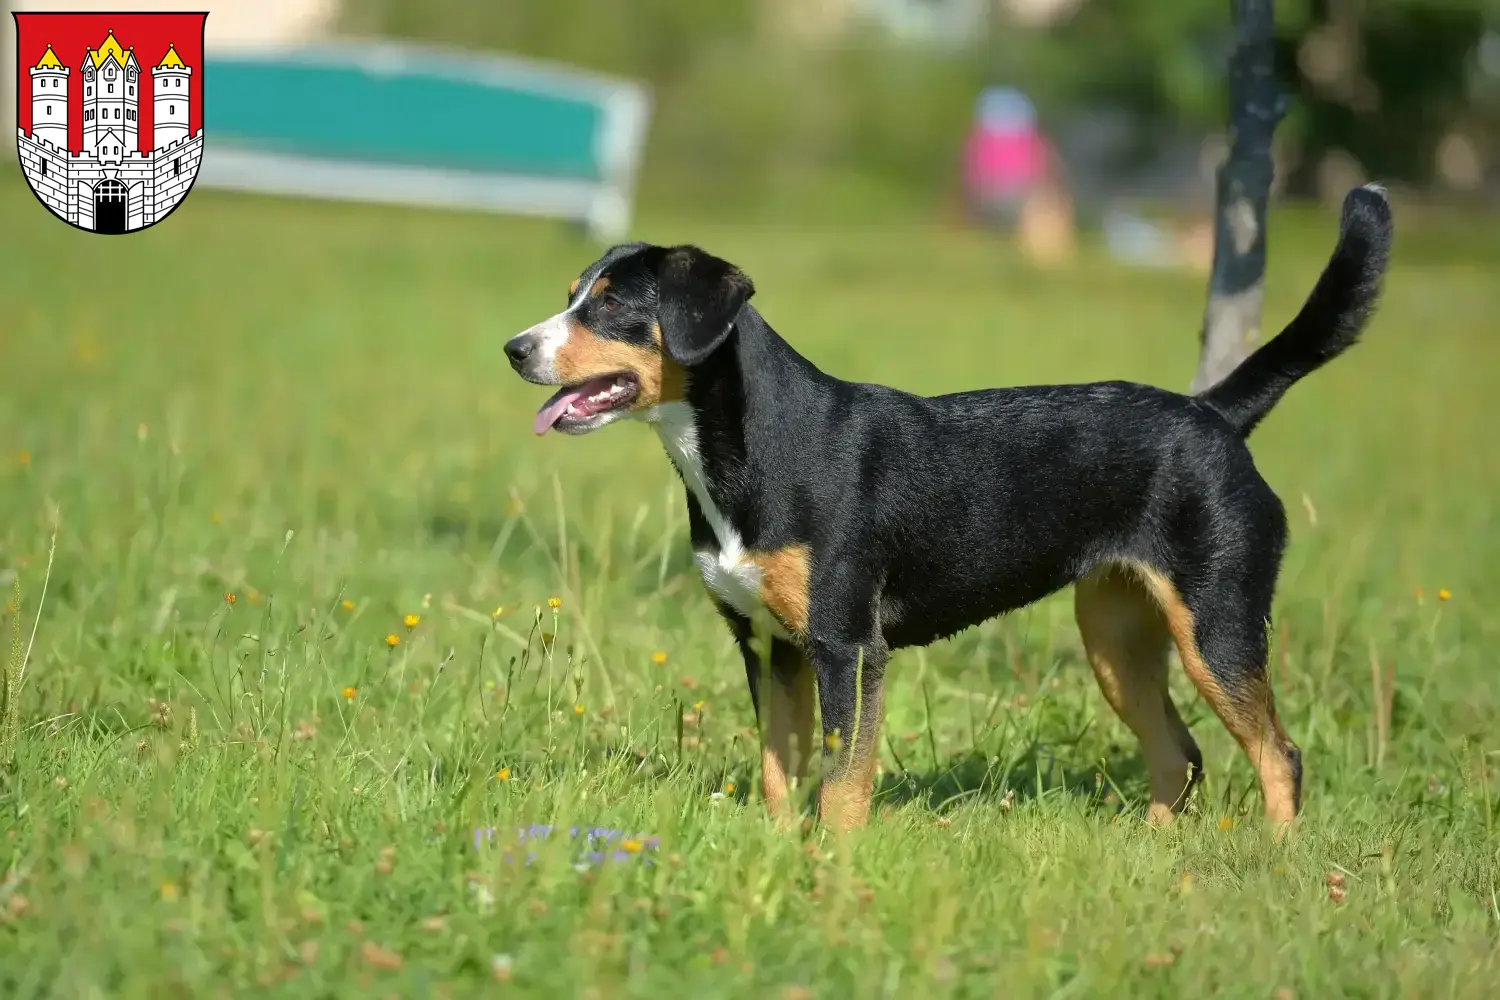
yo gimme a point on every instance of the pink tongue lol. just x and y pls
(555, 407)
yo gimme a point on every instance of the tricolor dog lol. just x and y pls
(859, 519)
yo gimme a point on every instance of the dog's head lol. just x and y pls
(638, 320)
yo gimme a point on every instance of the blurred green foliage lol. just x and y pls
(741, 108)
(1396, 75)
(738, 113)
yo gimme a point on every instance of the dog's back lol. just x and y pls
(988, 501)
(976, 503)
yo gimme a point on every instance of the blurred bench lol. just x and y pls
(420, 126)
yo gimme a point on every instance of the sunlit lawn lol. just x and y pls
(266, 432)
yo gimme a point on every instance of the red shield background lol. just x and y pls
(72, 35)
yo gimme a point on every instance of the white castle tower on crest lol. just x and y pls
(111, 185)
(170, 83)
(49, 99)
(111, 77)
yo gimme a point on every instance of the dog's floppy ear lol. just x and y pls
(698, 298)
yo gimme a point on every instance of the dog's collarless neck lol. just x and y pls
(717, 436)
(704, 440)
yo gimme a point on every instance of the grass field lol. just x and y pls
(306, 407)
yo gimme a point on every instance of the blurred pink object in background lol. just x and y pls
(1006, 156)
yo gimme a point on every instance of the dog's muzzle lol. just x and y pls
(519, 348)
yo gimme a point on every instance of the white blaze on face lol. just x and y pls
(552, 333)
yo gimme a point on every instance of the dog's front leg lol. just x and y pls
(850, 676)
(783, 698)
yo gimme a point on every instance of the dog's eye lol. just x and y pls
(611, 303)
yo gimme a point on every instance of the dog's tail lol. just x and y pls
(1330, 321)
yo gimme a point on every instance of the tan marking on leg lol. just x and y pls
(1126, 638)
(783, 584)
(1250, 715)
(598, 287)
(844, 799)
(587, 355)
(788, 742)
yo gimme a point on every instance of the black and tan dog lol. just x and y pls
(865, 519)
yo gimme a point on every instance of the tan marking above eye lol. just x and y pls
(573, 288)
(598, 288)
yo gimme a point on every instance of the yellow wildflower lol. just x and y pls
(349, 693)
(658, 658)
(393, 640)
(631, 846)
(1443, 594)
(577, 709)
(229, 598)
(411, 621)
(348, 605)
(499, 610)
(554, 603)
(503, 774)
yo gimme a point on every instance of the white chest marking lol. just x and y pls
(729, 573)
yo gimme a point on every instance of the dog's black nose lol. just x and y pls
(518, 349)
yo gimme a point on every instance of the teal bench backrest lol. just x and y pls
(403, 124)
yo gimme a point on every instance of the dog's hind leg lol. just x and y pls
(1220, 632)
(1126, 637)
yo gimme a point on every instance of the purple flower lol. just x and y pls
(593, 837)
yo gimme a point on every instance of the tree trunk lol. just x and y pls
(1231, 323)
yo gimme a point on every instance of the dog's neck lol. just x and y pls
(747, 387)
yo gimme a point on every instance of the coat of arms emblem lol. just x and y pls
(110, 114)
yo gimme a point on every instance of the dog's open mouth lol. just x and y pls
(573, 407)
